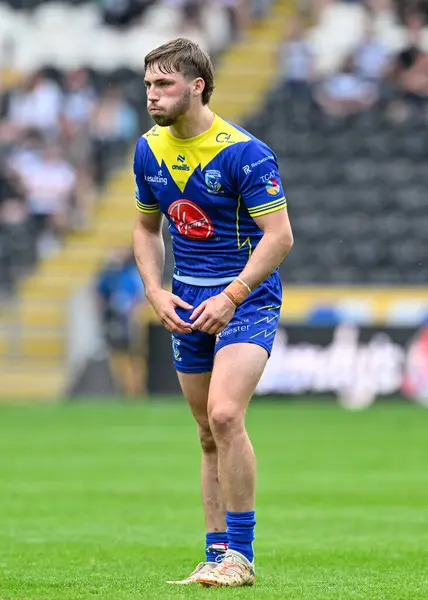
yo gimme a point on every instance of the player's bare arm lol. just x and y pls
(214, 314)
(273, 247)
(149, 250)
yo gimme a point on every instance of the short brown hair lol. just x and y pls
(185, 57)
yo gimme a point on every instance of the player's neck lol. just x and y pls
(193, 123)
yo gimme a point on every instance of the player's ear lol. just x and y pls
(198, 86)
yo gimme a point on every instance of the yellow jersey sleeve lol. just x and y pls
(145, 201)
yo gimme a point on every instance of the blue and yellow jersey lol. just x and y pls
(210, 188)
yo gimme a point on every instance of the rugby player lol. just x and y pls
(220, 190)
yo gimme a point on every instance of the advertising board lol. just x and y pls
(358, 364)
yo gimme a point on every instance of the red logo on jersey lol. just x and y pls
(191, 220)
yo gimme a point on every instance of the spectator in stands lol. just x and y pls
(208, 23)
(25, 154)
(120, 293)
(50, 185)
(114, 125)
(13, 208)
(17, 249)
(37, 104)
(410, 73)
(403, 9)
(192, 20)
(123, 13)
(80, 98)
(80, 104)
(371, 58)
(346, 92)
(239, 12)
(296, 60)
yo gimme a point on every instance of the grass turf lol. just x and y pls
(102, 500)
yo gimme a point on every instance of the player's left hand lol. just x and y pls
(213, 314)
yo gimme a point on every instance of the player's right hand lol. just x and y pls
(165, 304)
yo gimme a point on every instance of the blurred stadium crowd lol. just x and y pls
(65, 126)
(347, 120)
(380, 57)
(61, 134)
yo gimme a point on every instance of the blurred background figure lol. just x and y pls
(410, 72)
(346, 92)
(120, 294)
(50, 189)
(371, 57)
(80, 102)
(37, 104)
(122, 13)
(296, 60)
(114, 125)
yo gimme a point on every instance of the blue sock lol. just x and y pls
(240, 529)
(216, 545)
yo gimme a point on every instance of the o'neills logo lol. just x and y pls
(181, 167)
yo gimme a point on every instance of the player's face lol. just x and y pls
(169, 96)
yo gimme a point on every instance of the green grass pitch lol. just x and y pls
(102, 500)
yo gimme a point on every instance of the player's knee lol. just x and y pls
(224, 420)
(207, 439)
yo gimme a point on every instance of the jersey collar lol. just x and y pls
(193, 141)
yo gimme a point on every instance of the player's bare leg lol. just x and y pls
(195, 388)
(237, 370)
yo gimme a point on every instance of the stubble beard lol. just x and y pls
(180, 108)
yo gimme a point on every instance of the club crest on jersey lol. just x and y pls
(212, 179)
(272, 186)
(190, 220)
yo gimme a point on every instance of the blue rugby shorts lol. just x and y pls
(255, 321)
